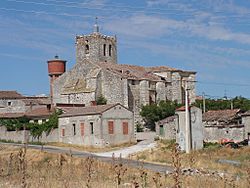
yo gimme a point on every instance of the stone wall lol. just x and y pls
(246, 123)
(77, 86)
(12, 106)
(113, 88)
(21, 136)
(161, 91)
(95, 50)
(176, 87)
(169, 130)
(215, 133)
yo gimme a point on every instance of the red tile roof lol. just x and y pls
(167, 120)
(10, 95)
(165, 69)
(129, 71)
(11, 115)
(221, 115)
(90, 110)
(39, 112)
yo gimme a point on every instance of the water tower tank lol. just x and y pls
(56, 66)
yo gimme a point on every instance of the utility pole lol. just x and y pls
(204, 102)
(188, 134)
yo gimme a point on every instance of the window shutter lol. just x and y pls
(63, 132)
(125, 128)
(111, 127)
(82, 129)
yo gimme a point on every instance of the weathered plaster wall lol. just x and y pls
(169, 130)
(22, 136)
(100, 136)
(16, 106)
(246, 123)
(215, 133)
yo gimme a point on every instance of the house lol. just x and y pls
(14, 105)
(102, 125)
(97, 73)
(166, 128)
(223, 124)
(12, 102)
(246, 122)
(174, 127)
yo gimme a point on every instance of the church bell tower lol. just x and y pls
(96, 47)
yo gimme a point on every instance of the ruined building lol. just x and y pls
(97, 73)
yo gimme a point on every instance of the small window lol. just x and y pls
(125, 128)
(87, 49)
(9, 103)
(104, 49)
(74, 129)
(133, 82)
(110, 50)
(63, 131)
(111, 127)
(82, 129)
(91, 127)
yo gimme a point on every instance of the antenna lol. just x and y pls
(96, 27)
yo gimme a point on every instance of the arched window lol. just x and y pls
(104, 49)
(110, 50)
(86, 48)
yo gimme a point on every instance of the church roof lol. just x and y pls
(130, 71)
(166, 69)
(136, 72)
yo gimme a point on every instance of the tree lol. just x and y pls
(222, 104)
(155, 112)
(101, 100)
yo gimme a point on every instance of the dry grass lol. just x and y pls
(57, 170)
(44, 169)
(90, 148)
(206, 160)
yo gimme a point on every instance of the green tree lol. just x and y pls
(101, 100)
(222, 104)
(155, 112)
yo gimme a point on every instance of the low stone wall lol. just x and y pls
(145, 135)
(215, 134)
(21, 136)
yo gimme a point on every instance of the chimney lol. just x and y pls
(93, 103)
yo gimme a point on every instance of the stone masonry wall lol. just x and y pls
(79, 73)
(246, 123)
(95, 53)
(215, 134)
(17, 106)
(114, 88)
(176, 87)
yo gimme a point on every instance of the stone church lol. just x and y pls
(97, 73)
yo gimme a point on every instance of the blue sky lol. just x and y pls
(211, 37)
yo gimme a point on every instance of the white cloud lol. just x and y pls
(155, 26)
